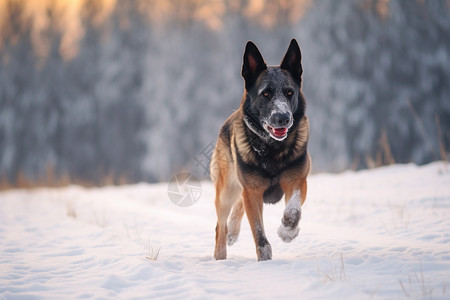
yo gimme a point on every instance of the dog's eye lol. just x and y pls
(266, 94)
(289, 93)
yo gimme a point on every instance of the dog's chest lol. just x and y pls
(268, 158)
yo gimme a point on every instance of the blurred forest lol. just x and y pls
(110, 91)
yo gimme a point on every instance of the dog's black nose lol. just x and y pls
(280, 119)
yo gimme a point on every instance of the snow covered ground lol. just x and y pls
(374, 234)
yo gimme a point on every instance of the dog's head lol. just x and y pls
(273, 99)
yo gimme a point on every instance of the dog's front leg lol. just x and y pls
(288, 229)
(253, 204)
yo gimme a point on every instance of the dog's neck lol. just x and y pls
(257, 129)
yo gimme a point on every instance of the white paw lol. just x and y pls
(232, 238)
(287, 234)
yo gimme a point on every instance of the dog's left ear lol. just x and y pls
(292, 61)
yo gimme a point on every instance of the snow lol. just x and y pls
(373, 234)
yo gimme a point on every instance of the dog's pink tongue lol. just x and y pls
(280, 131)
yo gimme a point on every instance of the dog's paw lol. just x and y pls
(232, 238)
(264, 252)
(287, 234)
(220, 253)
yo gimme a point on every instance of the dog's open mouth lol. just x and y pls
(278, 133)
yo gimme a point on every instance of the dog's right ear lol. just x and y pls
(253, 64)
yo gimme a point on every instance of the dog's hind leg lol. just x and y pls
(234, 222)
(225, 199)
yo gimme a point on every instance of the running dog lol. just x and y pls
(261, 152)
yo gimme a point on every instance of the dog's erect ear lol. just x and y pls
(292, 61)
(253, 64)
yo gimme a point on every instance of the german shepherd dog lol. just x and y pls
(261, 152)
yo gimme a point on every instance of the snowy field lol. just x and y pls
(374, 234)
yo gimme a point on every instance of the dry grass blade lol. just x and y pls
(403, 288)
(152, 255)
